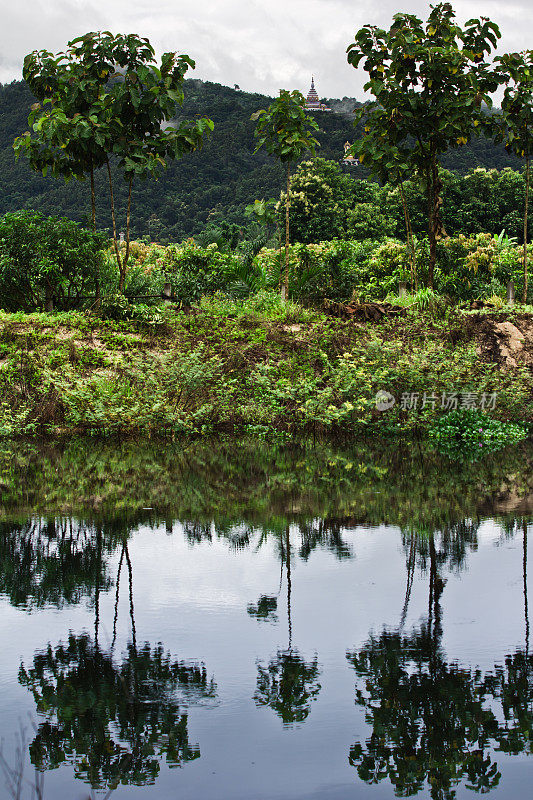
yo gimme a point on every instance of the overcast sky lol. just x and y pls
(259, 45)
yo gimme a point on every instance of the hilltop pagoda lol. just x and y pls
(312, 102)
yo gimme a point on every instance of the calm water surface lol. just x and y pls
(233, 621)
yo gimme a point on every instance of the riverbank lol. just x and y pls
(258, 367)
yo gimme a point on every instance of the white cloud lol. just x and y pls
(260, 46)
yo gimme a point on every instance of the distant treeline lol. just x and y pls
(211, 186)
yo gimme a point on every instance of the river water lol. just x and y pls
(230, 621)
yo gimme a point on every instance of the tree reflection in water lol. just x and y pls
(428, 718)
(434, 721)
(288, 683)
(114, 721)
(113, 718)
(116, 718)
(51, 561)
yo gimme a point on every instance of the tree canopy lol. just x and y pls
(431, 82)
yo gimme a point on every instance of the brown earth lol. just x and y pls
(506, 342)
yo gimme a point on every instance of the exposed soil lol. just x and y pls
(362, 311)
(502, 341)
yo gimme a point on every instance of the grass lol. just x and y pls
(256, 365)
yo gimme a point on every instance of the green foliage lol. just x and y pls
(468, 435)
(262, 210)
(335, 269)
(424, 301)
(327, 204)
(429, 82)
(284, 129)
(260, 307)
(117, 307)
(477, 266)
(231, 363)
(514, 126)
(367, 221)
(47, 262)
(195, 271)
(106, 97)
(468, 267)
(143, 278)
(483, 201)
(213, 185)
(319, 201)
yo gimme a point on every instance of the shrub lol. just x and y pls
(143, 277)
(476, 266)
(468, 435)
(47, 262)
(341, 269)
(117, 307)
(264, 305)
(195, 271)
(468, 267)
(367, 221)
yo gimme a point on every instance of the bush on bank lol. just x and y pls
(469, 268)
(47, 262)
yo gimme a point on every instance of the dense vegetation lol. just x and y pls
(212, 186)
(327, 204)
(228, 353)
(259, 366)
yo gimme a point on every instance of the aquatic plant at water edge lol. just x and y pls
(469, 434)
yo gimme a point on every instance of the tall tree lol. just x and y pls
(284, 130)
(514, 126)
(430, 81)
(106, 100)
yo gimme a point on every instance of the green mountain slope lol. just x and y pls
(212, 185)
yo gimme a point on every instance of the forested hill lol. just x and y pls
(210, 186)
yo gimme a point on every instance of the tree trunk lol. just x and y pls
(93, 220)
(128, 217)
(289, 585)
(410, 241)
(524, 570)
(130, 583)
(285, 283)
(48, 299)
(93, 201)
(432, 242)
(121, 271)
(525, 227)
(97, 585)
(117, 597)
(436, 226)
(431, 229)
